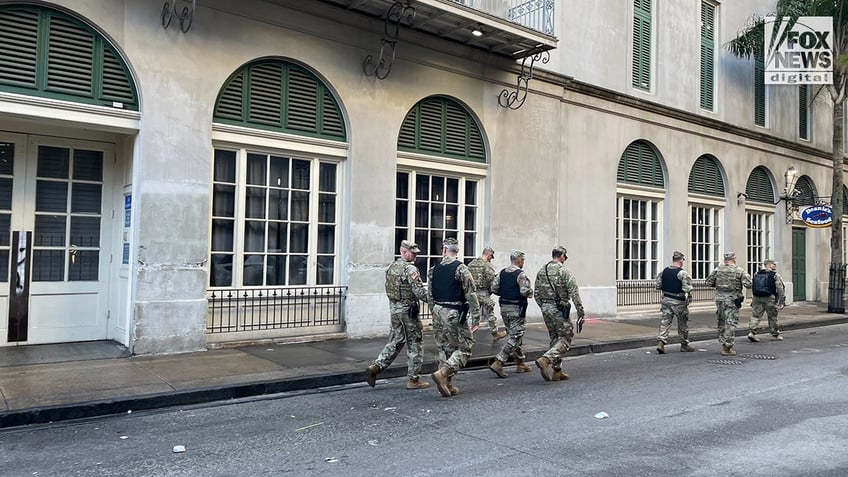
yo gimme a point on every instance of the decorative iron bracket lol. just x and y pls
(382, 66)
(169, 11)
(791, 206)
(515, 99)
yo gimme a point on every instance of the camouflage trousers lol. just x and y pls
(406, 330)
(560, 330)
(671, 308)
(453, 338)
(515, 327)
(767, 305)
(727, 315)
(487, 310)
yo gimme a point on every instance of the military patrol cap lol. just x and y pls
(411, 246)
(769, 261)
(677, 256)
(451, 244)
(730, 256)
(516, 254)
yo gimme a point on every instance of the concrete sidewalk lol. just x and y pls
(49, 383)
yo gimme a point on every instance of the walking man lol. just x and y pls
(555, 289)
(728, 280)
(675, 284)
(483, 273)
(454, 298)
(513, 286)
(404, 289)
(769, 297)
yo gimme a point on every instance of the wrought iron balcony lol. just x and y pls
(512, 28)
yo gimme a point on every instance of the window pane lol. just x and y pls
(327, 177)
(437, 219)
(5, 194)
(279, 172)
(276, 272)
(326, 238)
(4, 265)
(225, 166)
(453, 191)
(470, 218)
(221, 270)
(7, 158)
(223, 232)
(297, 270)
(51, 196)
(253, 270)
(256, 169)
(451, 215)
(277, 237)
(401, 213)
(88, 165)
(224, 201)
(85, 231)
(299, 238)
(470, 192)
(53, 162)
(254, 206)
(402, 185)
(278, 204)
(85, 198)
(300, 206)
(422, 214)
(422, 187)
(326, 208)
(49, 231)
(83, 266)
(437, 192)
(48, 265)
(254, 236)
(5, 229)
(325, 270)
(300, 174)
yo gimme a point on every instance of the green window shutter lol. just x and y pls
(51, 54)
(642, 45)
(705, 177)
(640, 164)
(281, 96)
(804, 111)
(442, 127)
(759, 187)
(707, 56)
(759, 90)
(806, 191)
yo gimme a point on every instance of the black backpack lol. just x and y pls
(764, 284)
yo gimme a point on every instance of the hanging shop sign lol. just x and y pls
(817, 216)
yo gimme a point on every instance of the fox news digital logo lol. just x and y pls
(802, 54)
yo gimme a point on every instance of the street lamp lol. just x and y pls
(789, 192)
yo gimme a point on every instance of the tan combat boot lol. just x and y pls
(725, 351)
(417, 384)
(441, 379)
(660, 347)
(520, 367)
(559, 375)
(685, 348)
(542, 363)
(453, 389)
(498, 335)
(497, 368)
(371, 374)
(752, 337)
(777, 338)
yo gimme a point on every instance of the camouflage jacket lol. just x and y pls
(523, 282)
(728, 281)
(403, 283)
(555, 280)
(463, 275)
(682, 275)
(483, 273)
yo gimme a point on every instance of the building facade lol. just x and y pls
(235, 172)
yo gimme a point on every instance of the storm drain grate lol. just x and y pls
(757, 356)
(725, 361)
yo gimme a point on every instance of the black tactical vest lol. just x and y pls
(670, 283)
(510, 291)
(446, 288)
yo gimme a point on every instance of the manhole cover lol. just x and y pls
(725, 361)
(757, 356)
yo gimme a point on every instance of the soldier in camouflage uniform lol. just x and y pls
(675, 284)
(728, 280)
(555, 287)
(514, 288)
(483, 272)
(404, 289)
(769, 304)
(454, 298)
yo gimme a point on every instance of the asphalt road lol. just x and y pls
(677, 414)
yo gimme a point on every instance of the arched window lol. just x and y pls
(276, 199)
(640, 193)
(806, 192)
(759, 212)
(434, 200)
(706, 208)
(51, 54)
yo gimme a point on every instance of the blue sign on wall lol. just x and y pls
(817, 216)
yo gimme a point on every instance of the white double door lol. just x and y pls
(56, 215)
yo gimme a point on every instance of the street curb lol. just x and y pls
(118, 406)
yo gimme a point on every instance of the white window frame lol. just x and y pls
(415, 164)
(651, 259)
(713, 231)
(756, 253)
(245, 140)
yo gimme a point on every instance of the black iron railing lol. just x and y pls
(643, 292)
(252, 309)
